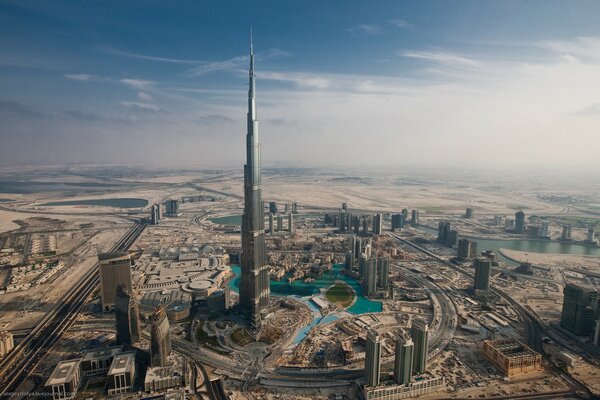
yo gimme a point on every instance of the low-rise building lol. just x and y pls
(121, 375)
(65, 379)
(98, 362)
(512, 357)
(161, 378)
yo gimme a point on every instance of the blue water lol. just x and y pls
(229, 220)
(299, 288)
(118, 203)
(526, 245)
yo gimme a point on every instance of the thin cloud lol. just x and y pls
(137, 83)
(442, 58)
(145, 96)
(79, 77)
(235, 63)
(401, 23)
(141, 106)
(117, 52)
(367, 29)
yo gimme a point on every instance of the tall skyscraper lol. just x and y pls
(544, 229)
(483, 267)
(279, 223)
(363, 262)
(160, 338)
(419, 333)
(295, 208)
(127, 316)
(291, 222)
(371, 276)
(272, 207)
(383, 268)
(271, 227)
(254, 285)
(580, 309)
(415, 217)
(398, 221)
(172, 208)
(566, 232)
(405, 214)
(520, 222)
(469, 213)
(378, 224)
(348, 261)
(403, 362)
(591, 235)
(155, 214)
(467, 249)
(115, 269)
(372, 359)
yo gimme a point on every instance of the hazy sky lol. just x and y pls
(469, 83)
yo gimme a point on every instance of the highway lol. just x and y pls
(18, 365)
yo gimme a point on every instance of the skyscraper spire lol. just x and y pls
(254, 286)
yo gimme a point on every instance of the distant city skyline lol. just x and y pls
(418, 83)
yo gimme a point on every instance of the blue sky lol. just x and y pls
(339, 82)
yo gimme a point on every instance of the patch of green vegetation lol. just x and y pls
(205, 338)
(241, 337)
(340, 294)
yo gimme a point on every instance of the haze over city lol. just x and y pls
(273, 200)
(341, 83)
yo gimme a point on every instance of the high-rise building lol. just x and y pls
(405, 214)
(591, 235)
(279, 223)
(371, 276)
(65, 379)
(357, 247)
(345, 207)
(580, 309)
(348, 261)
(362, 266)
(415, 217)
(286, 208)
(365, 225)
(544, 229)
(254, 285)
(295, 207)
(483, 267)
(291, 223)
(403, 362)
(443, 229)
(172, 208)
(419, 333)
(115, 270)
(271, 227)
(372, 358)
(356, 224)
(378, 224)
(272, 207)
(160, 338)
(520, 222)
(342, 220)
(383, 268)
(367, 247)
(469, 213)
(398, 221)
(155, 214)
(127, 316)
(467, 249)
(566, 232)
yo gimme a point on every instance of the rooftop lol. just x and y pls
(123, 363)
(63, 372)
